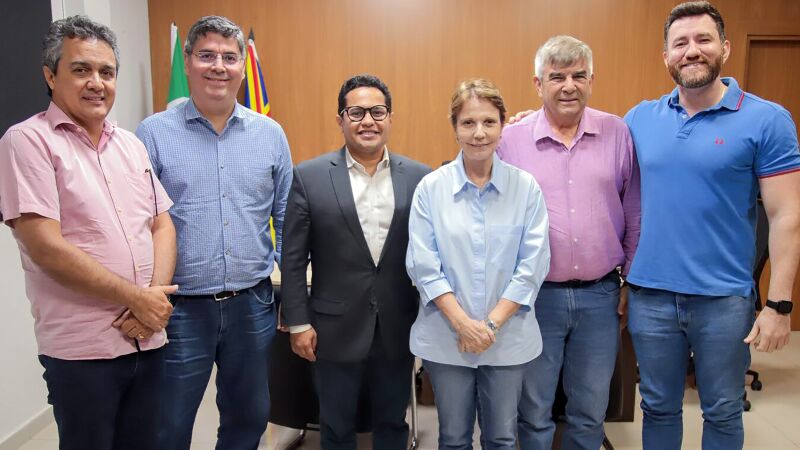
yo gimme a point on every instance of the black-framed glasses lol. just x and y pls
(229, 59)
(357, 113)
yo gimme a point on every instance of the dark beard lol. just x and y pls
(714, 69)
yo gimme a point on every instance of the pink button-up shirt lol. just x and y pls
(591, 189)
(104, 199)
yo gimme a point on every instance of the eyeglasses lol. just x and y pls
(229, 59)
(357, 113)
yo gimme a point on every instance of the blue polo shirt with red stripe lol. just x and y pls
(700, 179)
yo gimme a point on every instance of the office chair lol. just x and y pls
(762, 255)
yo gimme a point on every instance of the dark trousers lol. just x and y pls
(389, 384)
(107, 404)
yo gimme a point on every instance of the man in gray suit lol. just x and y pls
(347, 214)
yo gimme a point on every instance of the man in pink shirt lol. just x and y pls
(97, 247)
(585, 163)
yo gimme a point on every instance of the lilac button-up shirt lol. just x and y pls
(103, 197)
(591, 190)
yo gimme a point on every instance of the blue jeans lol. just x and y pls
(462, 392)
(668, 327)
(107, 404)
(580, 333)
(235, 334)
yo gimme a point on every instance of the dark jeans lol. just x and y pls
(338, 386)
(235, 334)
(107, 404)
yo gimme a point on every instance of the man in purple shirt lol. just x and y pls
(97, 246)
(585, 163)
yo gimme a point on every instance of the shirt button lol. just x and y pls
(222, 166)
(130, 239)
(575, 240)
(227, 252)
(119, 210)
(575, 267)
(569, 181)
(572, 210)
(225, 223)
(224, 194)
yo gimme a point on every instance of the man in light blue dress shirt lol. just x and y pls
(228, 169)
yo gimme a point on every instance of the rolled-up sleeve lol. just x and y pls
(533, 257)
(423, 262)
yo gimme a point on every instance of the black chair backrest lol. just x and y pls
(762, 248)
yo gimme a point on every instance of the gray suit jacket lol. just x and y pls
(349, 292)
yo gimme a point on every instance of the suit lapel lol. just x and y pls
(344, 195)
(399, 184)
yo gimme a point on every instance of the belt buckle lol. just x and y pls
(218, 297)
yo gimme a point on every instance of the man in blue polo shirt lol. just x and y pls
(706, 151)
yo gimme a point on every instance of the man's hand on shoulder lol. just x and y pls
(770, 332)
(152, 307)
(519, 116)
(304, 344)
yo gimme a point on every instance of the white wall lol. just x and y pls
(23, 395)
(129, 20)
(22, 389)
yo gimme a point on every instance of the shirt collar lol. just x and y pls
(498, 180)
(350, 161)
(192, 113)
(732, 99)
(56, 116)
(542, 128)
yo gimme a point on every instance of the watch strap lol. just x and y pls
(781, 306)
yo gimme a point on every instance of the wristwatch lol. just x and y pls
(492, 325)
(781, 306)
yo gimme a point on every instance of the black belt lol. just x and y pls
(224, 295)
(578, 283)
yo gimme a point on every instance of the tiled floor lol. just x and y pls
(772, 424)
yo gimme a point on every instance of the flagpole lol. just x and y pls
(173, 36)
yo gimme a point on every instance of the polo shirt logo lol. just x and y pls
(719, 141)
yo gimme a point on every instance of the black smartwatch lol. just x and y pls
(781, 306)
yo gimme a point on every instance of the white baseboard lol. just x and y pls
(28, 430)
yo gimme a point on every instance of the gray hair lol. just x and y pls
(213, 24)
(562, 51)
(80, 27)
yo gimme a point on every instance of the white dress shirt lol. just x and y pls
(374, 198)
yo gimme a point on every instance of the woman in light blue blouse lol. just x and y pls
(478, 253)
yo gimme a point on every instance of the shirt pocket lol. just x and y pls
(256, 184)
(142, 194)
(504, 243)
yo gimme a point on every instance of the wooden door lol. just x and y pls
(772, 65)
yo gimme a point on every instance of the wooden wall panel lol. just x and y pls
(422, 48)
